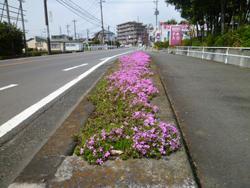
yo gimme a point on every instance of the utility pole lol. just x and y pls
(108, 34)
(102, 1)
(156, 13)
(87, 36)
(23, 26)
(60, 30)
(74, 21)
(7, 10)
(47, 26)
(67, 26)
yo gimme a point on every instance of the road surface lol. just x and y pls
(212, 101)
(23, 82)
(29, 83)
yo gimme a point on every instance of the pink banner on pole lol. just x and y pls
(176, 35)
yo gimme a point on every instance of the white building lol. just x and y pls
(37, 43)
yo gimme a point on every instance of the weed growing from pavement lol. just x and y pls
(125, 123)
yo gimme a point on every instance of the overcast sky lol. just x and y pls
(115, 12)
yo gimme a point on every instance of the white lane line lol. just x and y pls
(8, 86)
(103, 59)
(75, 67)
(19, 118)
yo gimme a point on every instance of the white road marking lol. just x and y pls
(8, 86)
(19, 118)
(75, 67)
(103, 59)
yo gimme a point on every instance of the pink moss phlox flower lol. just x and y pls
(99, 161)
(132, 82)
(107, 154)
(81, 151)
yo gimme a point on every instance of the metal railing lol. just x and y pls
(99, 47)
(229, 55)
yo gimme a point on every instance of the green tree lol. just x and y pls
(219, 16)
(11, 40)
(172, 22)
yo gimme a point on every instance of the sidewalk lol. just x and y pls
(212, 102)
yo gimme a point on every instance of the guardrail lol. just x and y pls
(229, 55)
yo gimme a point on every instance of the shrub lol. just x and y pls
(161, 45)
(11, 40)
(236, 38)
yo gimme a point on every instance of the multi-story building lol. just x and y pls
(132, 33)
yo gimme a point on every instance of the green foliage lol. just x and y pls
(192, 42)
(244, 34)
(172, 22)
(236, 38)
(211, 12)
(35, 52)
(117, 109)
(161, 45)
(11, 40)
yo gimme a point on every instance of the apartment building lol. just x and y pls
(132, 33)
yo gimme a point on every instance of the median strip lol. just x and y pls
(125, 123)
(131, 130)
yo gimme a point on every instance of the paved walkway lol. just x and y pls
(212, 101)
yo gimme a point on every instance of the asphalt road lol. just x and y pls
(38, 77)
(35, 79)
(212, 101)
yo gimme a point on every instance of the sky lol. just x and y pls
(115, 12)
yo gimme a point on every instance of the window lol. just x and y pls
(55, 45)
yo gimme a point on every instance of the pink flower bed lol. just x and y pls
(146, 134)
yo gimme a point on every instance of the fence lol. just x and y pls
(228, 55)
(99, 47)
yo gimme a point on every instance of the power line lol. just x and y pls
(76, 11)
(85, 12)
